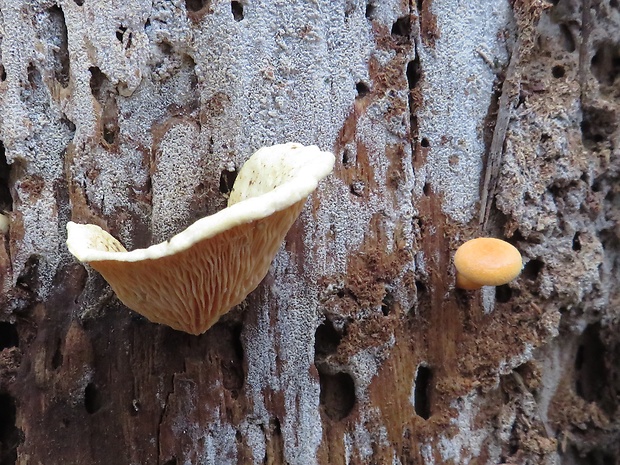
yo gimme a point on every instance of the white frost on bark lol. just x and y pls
(458, 89)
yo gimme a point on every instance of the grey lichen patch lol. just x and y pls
(177, 171)
(468, 442)
(52, 43)
(169, 26)
(34, 137)
(457, 88)
(211, 441)
(301, 425)
(116, 42)
(290, 388)
(141, 122)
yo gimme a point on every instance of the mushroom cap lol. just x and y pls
(487, 261)
(466, 284)
(5, 223)
(190, 280)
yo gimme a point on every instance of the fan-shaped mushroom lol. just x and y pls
(190, 280)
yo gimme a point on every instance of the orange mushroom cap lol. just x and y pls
(486, 261)
(190, 280)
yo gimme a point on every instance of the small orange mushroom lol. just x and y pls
(190, 280)
(486, 261)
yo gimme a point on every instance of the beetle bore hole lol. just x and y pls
(503, 293)
(348, 157)
(237, 10)
(60, 51)
(6, 200)
(57, 358)
(362, 89)
(387, 304)
(414, 73)
(591, 372)
(576, 242)
(227, 180)
(357, 188)
(92, 398)
(421, 392)
(402, 26)
(97, 80)
(9, 433)
(30, 273)
(370, 10)
(567, 40)
(558, 71)
(109, 134)
(237, 341)
(532, 269)
(196, 5)
(120, 33)
(599, 457)
(337, 394)
(8, 335)
(231, 364)
(326, 340)
(606, 63)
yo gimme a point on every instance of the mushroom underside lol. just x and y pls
(191, 289)
(190, 280)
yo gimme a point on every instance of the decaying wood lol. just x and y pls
(527, 15)
(356, 348)
(507, 102)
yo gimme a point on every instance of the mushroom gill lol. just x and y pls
(190, 280)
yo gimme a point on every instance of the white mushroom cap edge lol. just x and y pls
(272, 179)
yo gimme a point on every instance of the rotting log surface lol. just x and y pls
(356, 348)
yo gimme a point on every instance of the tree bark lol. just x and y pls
(448, 119)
